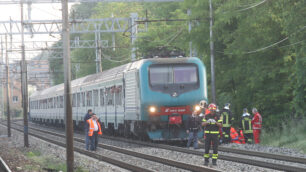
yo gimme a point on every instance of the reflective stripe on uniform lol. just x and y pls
(250, 126)
(212, 132)
(214, 156)
(206, 155)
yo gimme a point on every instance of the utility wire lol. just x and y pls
(269, 46)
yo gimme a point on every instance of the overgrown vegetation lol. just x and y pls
(291, 135)
(260, 49)
(47, 163)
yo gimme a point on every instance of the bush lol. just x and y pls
(291, 135)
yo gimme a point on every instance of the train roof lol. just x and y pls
(106, 75)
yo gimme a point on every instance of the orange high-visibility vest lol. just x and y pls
(234, 136)
(241, 137)
(92, 127)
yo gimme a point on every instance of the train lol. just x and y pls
(148, 98)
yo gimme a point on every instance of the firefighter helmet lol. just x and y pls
(203, 103)
(212, 107)
(245, 110)
(227, 106)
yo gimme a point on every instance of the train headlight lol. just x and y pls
(152, 109)
(197, 108)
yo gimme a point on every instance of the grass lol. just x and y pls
(292, 135)
(47, 162)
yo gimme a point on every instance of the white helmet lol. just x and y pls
(203, 104)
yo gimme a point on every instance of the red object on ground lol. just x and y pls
(241, 137)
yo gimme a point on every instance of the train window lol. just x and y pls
(89, 98)
(61, 101)
(78, 99)
(54, 103)
(118, 95)
(83, 99)
(185, 74)
(110, 96)
(50, 103)
(101, 97)
(173, 74)
(161, 75)
(58, 102)
(74, 100)
(96, 97)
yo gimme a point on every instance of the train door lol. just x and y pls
(96, 109)
(104, 92)
(119, 111)
(101, 108)
(110, 105)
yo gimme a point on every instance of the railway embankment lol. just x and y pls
(43, 156)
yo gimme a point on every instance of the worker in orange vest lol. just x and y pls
(234, 136)
(93, 132)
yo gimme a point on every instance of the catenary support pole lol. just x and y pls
(67, 85)
(2, 80)
(24, 83)
(212, 56)
(7, 91)
(134, 30)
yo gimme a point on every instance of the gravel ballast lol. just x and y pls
(58, 153)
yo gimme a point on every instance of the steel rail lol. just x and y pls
(259, 163)
(91, 154)
(3, 166)
(178, 164)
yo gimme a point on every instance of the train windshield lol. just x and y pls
(173, 74)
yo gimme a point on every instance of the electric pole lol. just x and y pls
(67, 85)
(24, 83)
(7, 92)
(212, 56)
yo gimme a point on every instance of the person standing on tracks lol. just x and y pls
(227, 120)
(86, 117)
(193, 126)
(257, 123)
(93, 132)
(246, 126)
(212, 123)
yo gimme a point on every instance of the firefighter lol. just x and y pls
(203, 105)
(246, 126)
(227, 120)
(256, 122)
(212, 123)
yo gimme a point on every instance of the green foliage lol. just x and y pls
(291, 135)
(259, 48)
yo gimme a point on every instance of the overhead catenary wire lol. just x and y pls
(245, 9)
(266, 47)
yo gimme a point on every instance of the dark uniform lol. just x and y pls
(227, 120)
(193, 125)
(211, 133)
(246, 127)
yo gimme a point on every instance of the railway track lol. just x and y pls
(234, 158)
(3, 166)
(169, 162)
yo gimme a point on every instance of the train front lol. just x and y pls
(170, 89)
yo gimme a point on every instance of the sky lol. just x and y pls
(51, 11)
